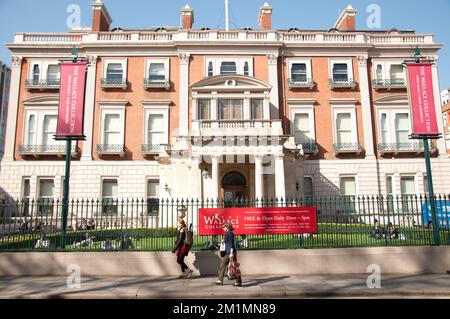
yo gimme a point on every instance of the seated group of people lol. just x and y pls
(379, 232)
(85, 224)
(124, 243)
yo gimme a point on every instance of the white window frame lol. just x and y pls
(349, 62)
(158, 109)
(416, 186)
(304, 109)
(299, 61)
(166, 63)
(24, 178)
(197, 108)
(152, 179)
(240, 63)
(391, 112)
(355, 176)
(123, 61)
(43, 68)
(336, 109)
(112, 110)
(386, 68)
(38, 191)
(39, 114)
(105, 178)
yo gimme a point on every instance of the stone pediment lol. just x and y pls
(231, 82)
(46, 100)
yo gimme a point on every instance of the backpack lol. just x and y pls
(189, 236)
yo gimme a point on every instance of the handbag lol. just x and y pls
(222, 250)
(233, 270)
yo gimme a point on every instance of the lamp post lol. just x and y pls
(418, 58)
(68, 139)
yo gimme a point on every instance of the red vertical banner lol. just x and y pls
(421, 99)
(71, 100)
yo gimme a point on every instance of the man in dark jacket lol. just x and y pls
(230, 254)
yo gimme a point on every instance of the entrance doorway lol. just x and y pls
(234, 189)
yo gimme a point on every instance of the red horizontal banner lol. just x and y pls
(421, 97)
(71, 100)
(258, 220)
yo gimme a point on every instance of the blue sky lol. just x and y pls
(50, 16)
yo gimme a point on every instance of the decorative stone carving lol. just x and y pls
(92, 59)
(362, 61)
(16, 61)
(273, 58)
(184, 58)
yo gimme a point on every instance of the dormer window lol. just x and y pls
(228, 67)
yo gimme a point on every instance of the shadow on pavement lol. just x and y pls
(258, 282)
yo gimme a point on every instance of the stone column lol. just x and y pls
(365, 106)
(89, 105)
(273, 81)
(13, 106)
(215, 177)
(184, 93)
(194, 182)
(280, 191)
(259, 184)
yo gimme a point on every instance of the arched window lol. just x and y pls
(234, 179)
(246, 69)
(36, 73)
(210, 69)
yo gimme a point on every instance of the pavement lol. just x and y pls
(262, 287)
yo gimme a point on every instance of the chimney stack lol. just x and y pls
(101, 20)
(187, 17)
(265, 17)
(346, 21)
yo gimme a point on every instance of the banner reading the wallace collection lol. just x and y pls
(71, 100)
(258, 220)
(421, 99)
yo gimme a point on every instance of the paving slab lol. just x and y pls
(351, 286)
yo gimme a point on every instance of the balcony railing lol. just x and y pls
(338, 84)
(36, 150)
(111, 149)
(295, 84)
(339, 148)
(151, 148)
(310, 148)
(156, 84)
(237, 127)
(389, 84)
(408, 147)
(169, 37)
(107, 83)
(43, 84)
